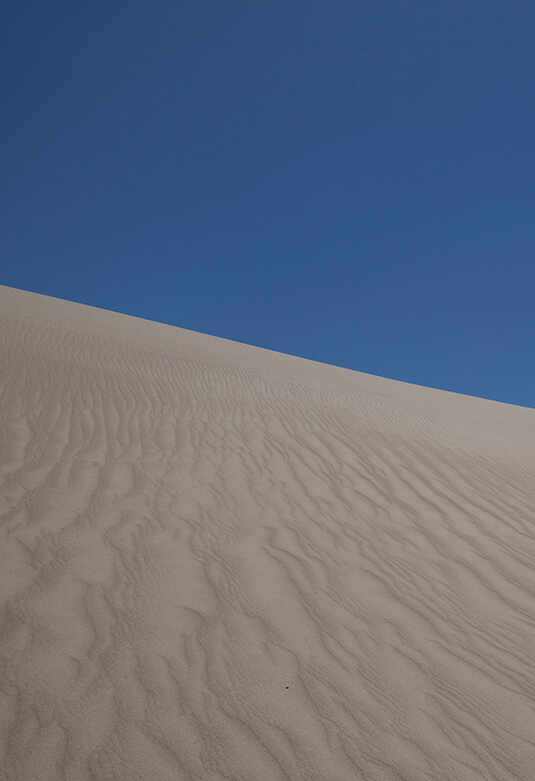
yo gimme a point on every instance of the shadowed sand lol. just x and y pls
(218, 562)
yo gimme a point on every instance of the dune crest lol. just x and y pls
(218, 562)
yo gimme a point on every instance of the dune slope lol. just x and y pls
(218, 562)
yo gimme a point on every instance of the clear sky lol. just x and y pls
(351, 181)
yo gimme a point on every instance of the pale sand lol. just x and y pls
(218, 562)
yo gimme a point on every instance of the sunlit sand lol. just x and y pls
(219, 562)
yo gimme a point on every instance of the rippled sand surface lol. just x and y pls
(218, 562)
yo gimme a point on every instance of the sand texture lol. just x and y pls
(218, 562)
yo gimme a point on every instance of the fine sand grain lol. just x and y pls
(218, 562)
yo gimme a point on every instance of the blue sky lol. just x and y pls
(351, 181)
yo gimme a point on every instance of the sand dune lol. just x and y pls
(218, 562)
